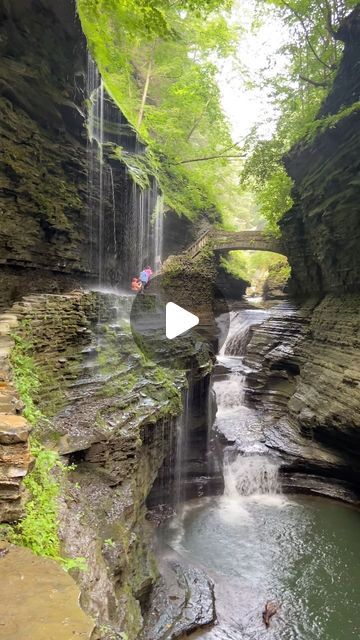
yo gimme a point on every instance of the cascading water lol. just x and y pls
(244, 475)
(241, 323)
(250, 476)
(181, 453)
(95, 162)
(230, 392)
(146, 235)
(259, 546)
(125, 217)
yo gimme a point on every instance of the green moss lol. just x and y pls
(38, 530)
(329, 122)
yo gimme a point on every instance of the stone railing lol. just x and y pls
(199, 243)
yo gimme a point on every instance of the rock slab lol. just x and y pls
(38, 599)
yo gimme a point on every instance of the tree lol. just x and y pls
(313, 55)
(158, 61)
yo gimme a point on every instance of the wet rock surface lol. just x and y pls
(112, 413)
(38, 599)
(305, 367)
(15, 457)
(182, 601)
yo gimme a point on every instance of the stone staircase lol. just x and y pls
(15, 455)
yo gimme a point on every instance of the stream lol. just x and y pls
(259, 545)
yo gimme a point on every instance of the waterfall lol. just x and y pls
(182, 449)
(250, 476)
(125, 219)
(230, 392)
(248, 470)
(158, 222)
(241, 324)
(113, 209)
(95, 93)
(147, 233)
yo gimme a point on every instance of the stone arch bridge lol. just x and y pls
(223, 241)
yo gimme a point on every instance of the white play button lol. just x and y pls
(178, 320)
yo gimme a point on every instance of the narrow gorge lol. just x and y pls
(155, 488)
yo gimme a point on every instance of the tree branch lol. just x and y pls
(329, 22)
(217, 157)
(198, 120)
(311, 47)
(146, 86)
(315, 83)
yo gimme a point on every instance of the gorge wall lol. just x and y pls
(106, 410)
(44, 222)
(60, 190)
(306, 363)
(322, 230)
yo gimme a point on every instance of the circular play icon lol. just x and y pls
(169, 329)
(178, 320)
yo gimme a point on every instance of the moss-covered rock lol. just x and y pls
(275, 284)
(100, 404)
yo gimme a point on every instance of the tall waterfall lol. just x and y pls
(95, 94)
(125, 219)
(146, 232)
(182, 448)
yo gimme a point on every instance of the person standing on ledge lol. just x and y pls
(149, 272)
(144, 278)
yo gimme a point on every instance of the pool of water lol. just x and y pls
(298, 552)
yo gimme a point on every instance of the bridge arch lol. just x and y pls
(248, 240)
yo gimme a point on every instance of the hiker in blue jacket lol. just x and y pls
(144, 278)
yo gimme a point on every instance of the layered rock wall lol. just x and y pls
(43, 170)
(112, 414)
(65, 216)
(306, 373)
(321, 232)
(15, 456)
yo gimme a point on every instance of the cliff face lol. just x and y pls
(113, 417)
(43, 168)
(305, 360)
(305, 370)
(322, 230)
(111, 414)
(70, 210)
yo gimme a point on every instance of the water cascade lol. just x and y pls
(125, 212)
(182, 450)
(250, 476)
(241, 323)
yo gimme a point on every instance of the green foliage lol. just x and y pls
(329, 122)
(109, 542)
(235, 264)
(254, 266)
(39, 528)
(157, 60)
(312, 54)
(279, 272)
(25, 377)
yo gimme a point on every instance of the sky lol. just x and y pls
(243, 106)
